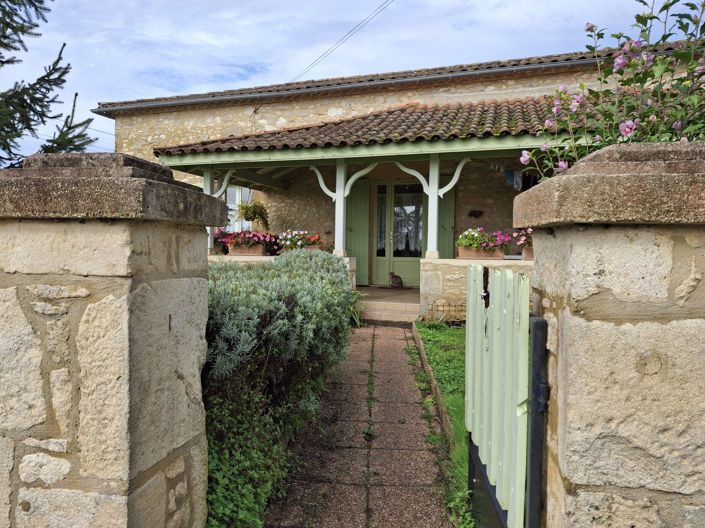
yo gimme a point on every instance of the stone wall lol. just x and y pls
(620, 257)
(483, 187)
(140, 133)
(103, 307)
(444, 285)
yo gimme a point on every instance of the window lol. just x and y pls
(233, 196)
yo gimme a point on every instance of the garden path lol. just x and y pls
(370, 466)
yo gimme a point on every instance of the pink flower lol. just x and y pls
(620, 62)
(530, 230)
(628, 127)
(563, 88)
(648, 59)
(515, 234)
(544, 147)
(548, 123)
(597, 137)
(677, 125)
(524, 159)
(562, 165)
(590, 28)
(480, 228)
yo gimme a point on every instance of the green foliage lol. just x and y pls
(246, 461)
(650, 89)
(285, 314)
(273, 332)
(254, 212)
(445, 349)
(26, 106)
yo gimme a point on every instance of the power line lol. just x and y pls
(106, 133)
(344, 38)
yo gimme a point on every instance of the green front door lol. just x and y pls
(399, 224)
(357, 228)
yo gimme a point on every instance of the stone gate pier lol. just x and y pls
(620, 262)
(103, 307)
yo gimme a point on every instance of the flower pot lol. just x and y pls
(219, 250)
(476, 254)
(527, 253)
(247, 251)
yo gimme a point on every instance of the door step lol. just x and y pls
(390, 311)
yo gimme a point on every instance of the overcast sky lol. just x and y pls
(134, 49)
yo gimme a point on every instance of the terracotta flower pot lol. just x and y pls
(527, 253)
(247, 251)
(476, 254)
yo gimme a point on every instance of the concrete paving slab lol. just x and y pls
(402, 467)
(322, 505)
(400, 436)
(343, 466)
(397, 412)
(406, 507)
(391, 390)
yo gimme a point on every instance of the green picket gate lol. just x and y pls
(497, 383)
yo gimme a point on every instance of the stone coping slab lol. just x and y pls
(634, 183)
(103, 186)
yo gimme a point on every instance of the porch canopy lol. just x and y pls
(433, 134)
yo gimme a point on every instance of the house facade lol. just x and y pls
(389, 168)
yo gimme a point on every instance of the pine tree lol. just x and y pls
(28, 105)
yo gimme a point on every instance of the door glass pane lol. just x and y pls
(381, 220)
(408, 219)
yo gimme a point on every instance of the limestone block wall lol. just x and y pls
(444, 285)
(102, 338)
(620, 257)
(139, 133)
(483, 187)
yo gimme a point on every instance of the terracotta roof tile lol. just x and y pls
(408, 123)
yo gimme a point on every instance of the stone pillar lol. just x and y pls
(620, 258)
(103, 307)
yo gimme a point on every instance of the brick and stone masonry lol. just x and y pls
(103, 307)
(620, 257)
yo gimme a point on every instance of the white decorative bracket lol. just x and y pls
(224, 186)
(455, 179)
(416, 174)
(322, 183)
(359, 174)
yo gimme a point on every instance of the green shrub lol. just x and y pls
(273, 331)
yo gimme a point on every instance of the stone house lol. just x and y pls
(389, 168)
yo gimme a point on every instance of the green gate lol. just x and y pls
(497, 383)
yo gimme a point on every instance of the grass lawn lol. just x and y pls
(445, 349)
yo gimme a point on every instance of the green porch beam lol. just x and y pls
(260, 179)
(474, 147)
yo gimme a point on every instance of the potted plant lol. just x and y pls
(477, 243)
(291, 239)
(254, 212)
(220, 246)
(251, 243)
(523, 240)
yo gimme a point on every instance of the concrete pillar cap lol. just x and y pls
(630, 183)
(104, 186)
